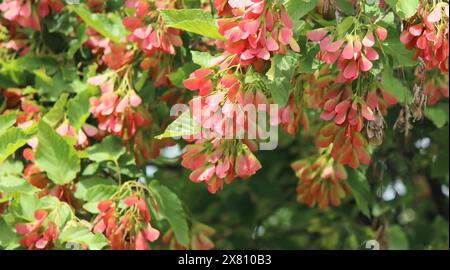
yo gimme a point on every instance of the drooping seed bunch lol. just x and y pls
(39, 234)
(27, 13)
(125, 219)
(356, 115)
(427, 33)
(116, 109)
(322, 181)
(150, 41)
(219, 161)
(255, 30)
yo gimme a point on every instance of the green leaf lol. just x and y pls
(52, 85)
(91, 207)
(280, 89)
(109, 26)
(15, 72)
(397, 238)
(59, 211)
(439, 167)
(345, 6)
(408, 7)
(299, 8)
(56, 113)
(203, 59)
(181, 74)
(87, 183)
(8, 238)
(62, 23)
(196, 21)
(438, 114)
(344, 26)
(111, 148)
(78, 109)
(171, 209)
(309, 63)
(55, 156)
(25, 206)
(96, 194)
(6, 121)
(397, 50)
(184, 125)
(252, 77)
(79, 234)
(395, 86)
(32, 62)
(77, 43)
(284, 65)
(12, 184)
(11, 140)
(360, 190)
(404, 8)
(11, 167)
(281, 73)
(100, 192)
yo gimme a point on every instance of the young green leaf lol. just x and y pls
(74, 233)
(171, 209)
(360, 190)
(299, 8)
(6, 121)
(345, 6)
(96, 194)
(280, 74)
(404, 8)
(181, 74)
(395, 86)
(8, 238)
(203, 59)
(11, 140)
(438, 114)
(56, 113)
(110, 148)
(55, 156)
(78, 109)
(86, 183)
(109, 26)
(12, 184)
(196, 21)
(11, 167)
(184, 125)
(439, 167)
(25, 205)
(397, 238)
(344, 26)
(394, 48)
